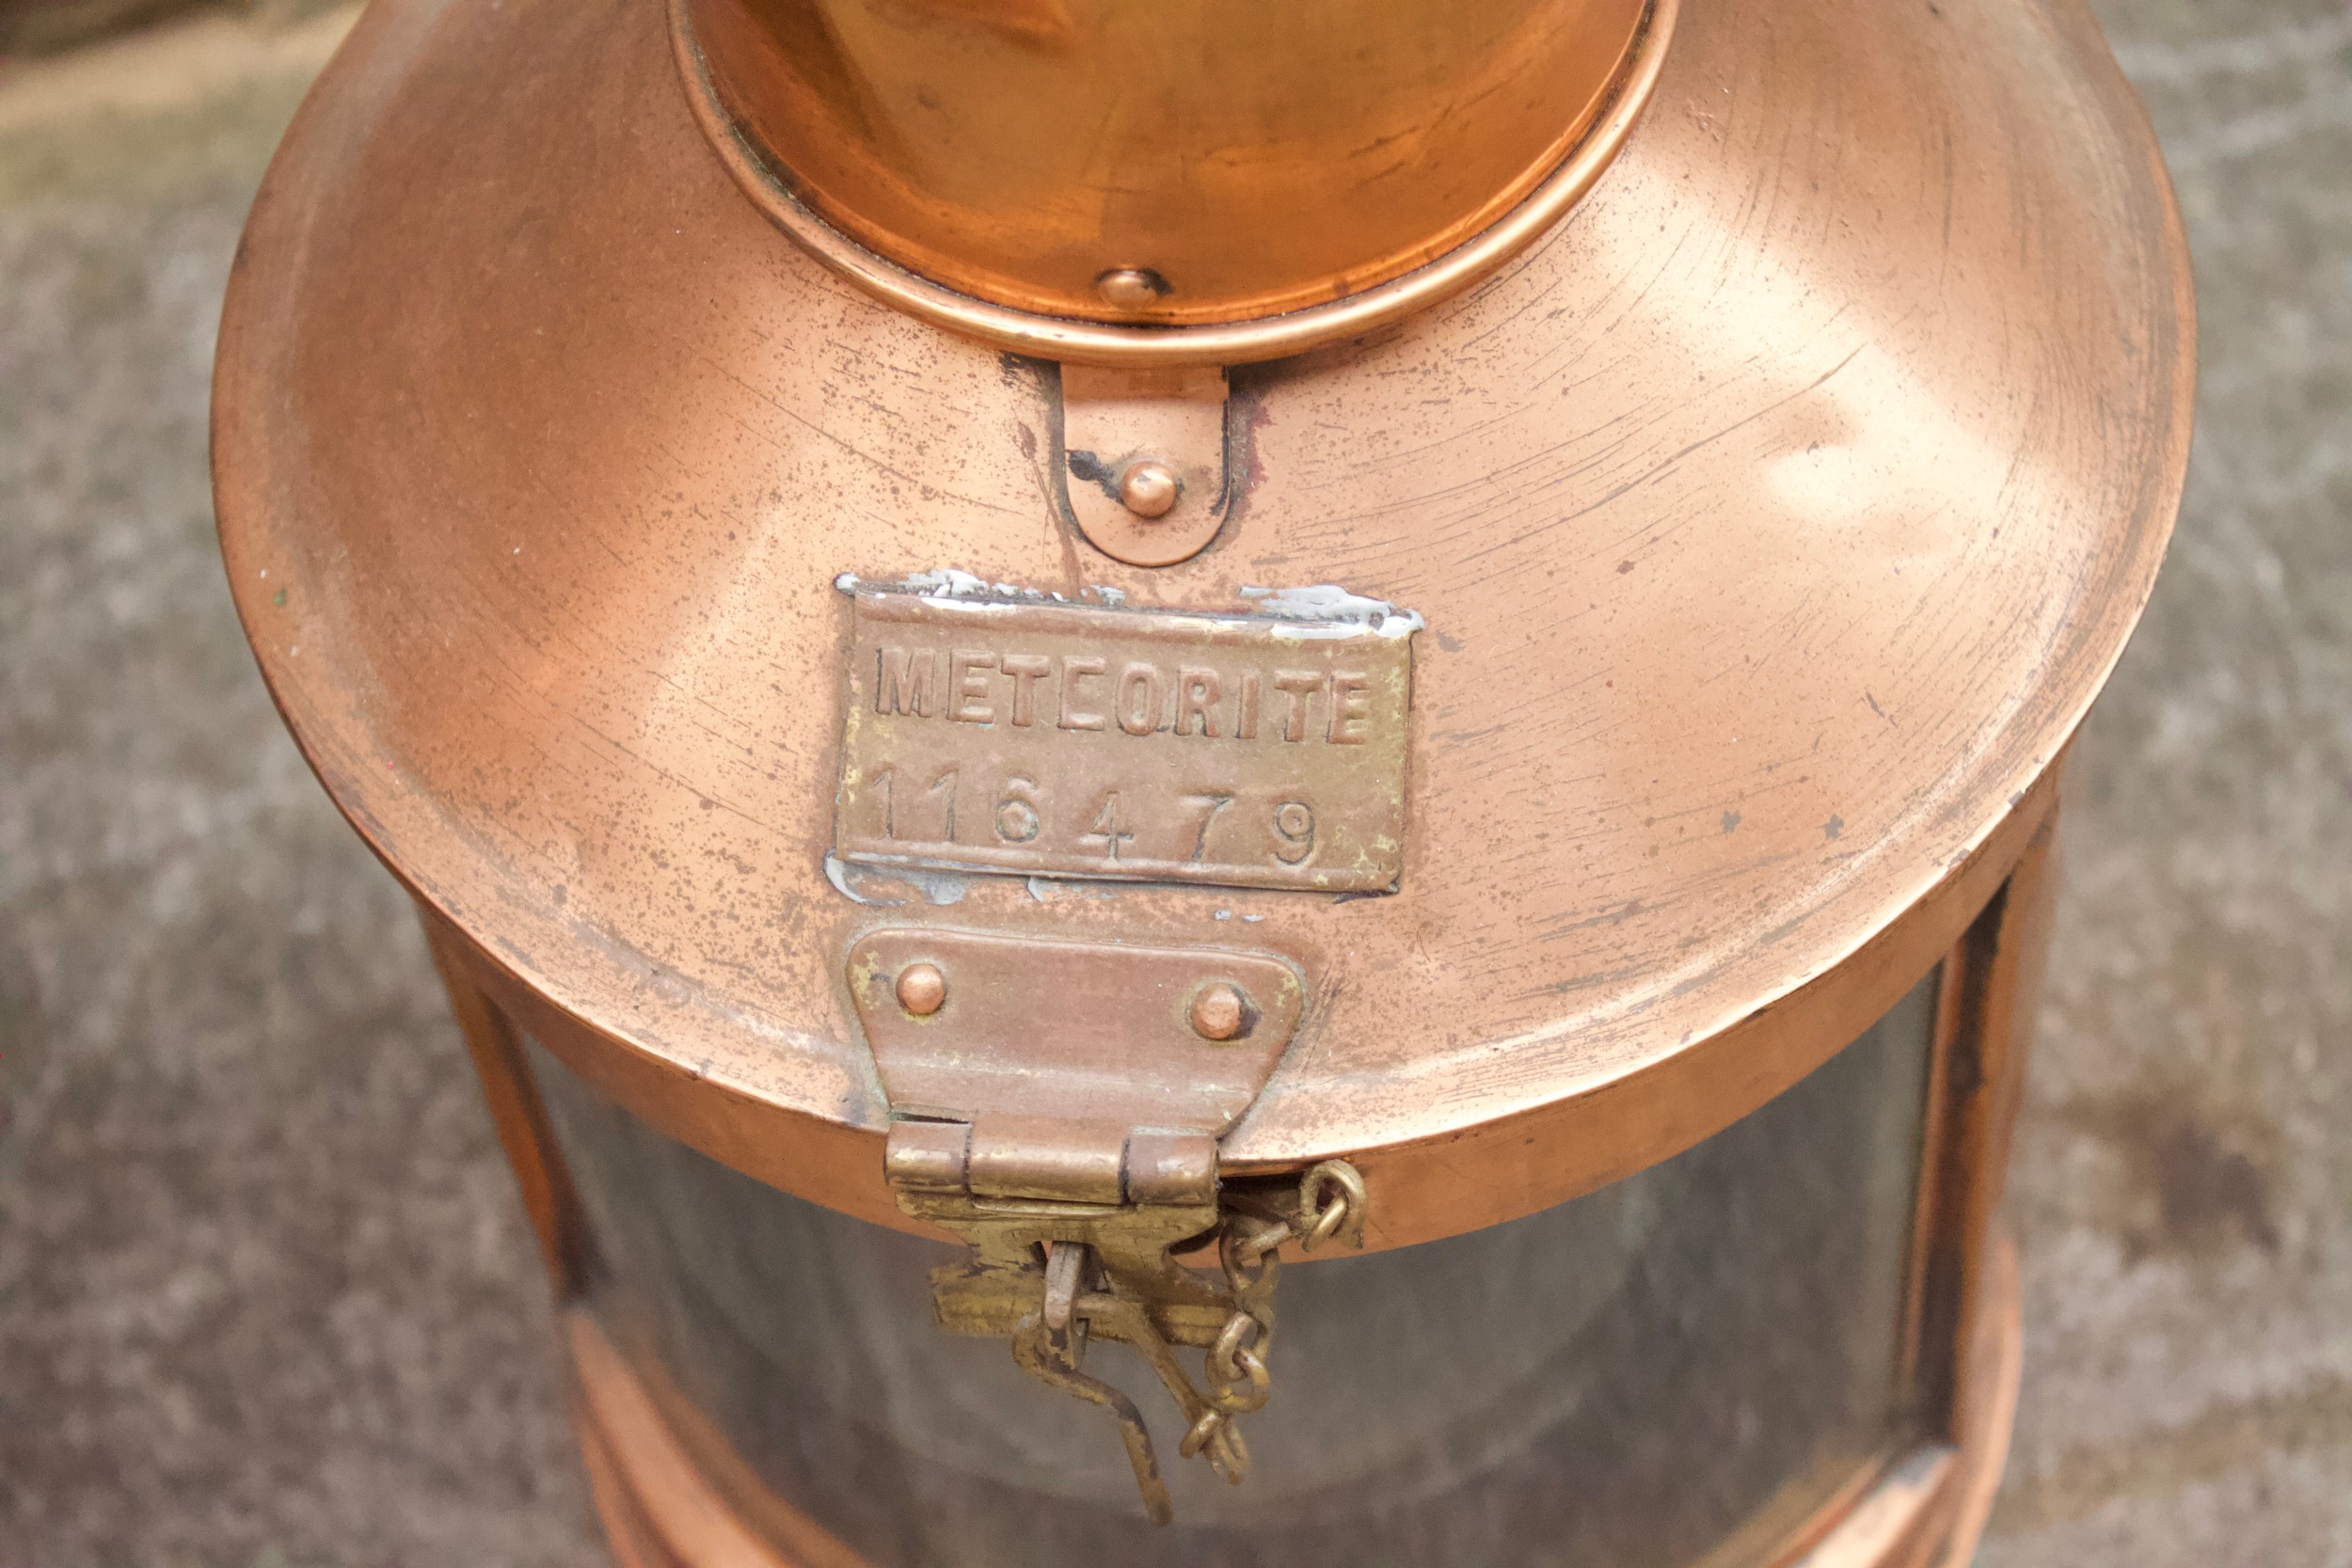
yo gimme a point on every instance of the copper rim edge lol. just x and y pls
(1424, 1188)
(1221, 343)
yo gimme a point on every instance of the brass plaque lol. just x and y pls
(1050, 738)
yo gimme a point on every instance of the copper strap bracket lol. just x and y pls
(1058, 1106)
(1142, 460)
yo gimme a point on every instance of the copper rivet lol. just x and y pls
(1147, 488)
(1217, 1013)
(921, 988)
(1131, 288)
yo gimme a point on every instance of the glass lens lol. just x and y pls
(1684, 1363)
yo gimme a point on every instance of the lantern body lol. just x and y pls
(1613, 1381)
(1597, 739)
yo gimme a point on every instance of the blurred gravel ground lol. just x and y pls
(2182, 1188)
(266, 1297)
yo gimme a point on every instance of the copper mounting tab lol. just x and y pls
(1037, 1034)
(1125, 429)
(991, 731)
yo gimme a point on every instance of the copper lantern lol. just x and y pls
(1064, 678)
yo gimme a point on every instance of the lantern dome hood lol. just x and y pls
(1759, 536)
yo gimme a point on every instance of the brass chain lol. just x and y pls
(1117, 1280)
(1331, 1202)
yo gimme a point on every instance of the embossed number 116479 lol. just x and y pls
(1120, 828)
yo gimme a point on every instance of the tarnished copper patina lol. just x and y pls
(1032, 659)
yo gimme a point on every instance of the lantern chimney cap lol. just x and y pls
(1127, 182)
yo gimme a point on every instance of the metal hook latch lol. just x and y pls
(1052, 1277)
(1057, 1106)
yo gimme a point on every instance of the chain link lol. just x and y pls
(1117, 1279)
(1332, 1203)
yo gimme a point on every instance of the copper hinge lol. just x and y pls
(1057, 1106)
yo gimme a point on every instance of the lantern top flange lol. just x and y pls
(1096, 188)
(1768, 528)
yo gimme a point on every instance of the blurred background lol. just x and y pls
(267, 1295)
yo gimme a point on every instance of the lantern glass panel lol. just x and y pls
(1688, 1361)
